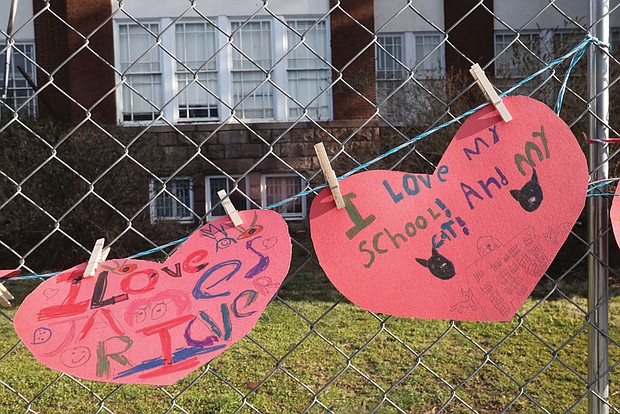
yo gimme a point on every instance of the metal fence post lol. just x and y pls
(598, 214)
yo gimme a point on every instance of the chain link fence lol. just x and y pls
(122, 120)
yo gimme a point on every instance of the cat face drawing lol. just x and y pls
(530, 195)
(439, 266)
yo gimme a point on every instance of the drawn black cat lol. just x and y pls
(438, 265)
(530, 195)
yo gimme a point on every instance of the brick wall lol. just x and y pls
(352, 25)
(236, 149)
(470, 34)
(87, 76)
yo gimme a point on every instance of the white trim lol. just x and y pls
(168, 70)
(117, 76)
(209, 202)
(302, 182)
(117, 57)
(224, 66)
(153, 200)
(279, 75)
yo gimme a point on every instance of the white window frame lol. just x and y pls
(326, 68)
(209, 202)
(170, 85)
(303, 183)
(390, 56)
(164, 72)
(153, 197)
(275, 74)
(29, 103)
(204, 69)
(502, 73)
(401, 94)
(409, 54)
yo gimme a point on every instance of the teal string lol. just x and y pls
(574, 54)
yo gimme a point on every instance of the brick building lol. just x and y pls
(236, 94)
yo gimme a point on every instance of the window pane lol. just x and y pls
(196, 67)
(309, 89)
(216, 184)
(195, 46)
(197, 95)
(224, 183)
(515, 55)
(281, 188)
(389, 57)
(169, 207)
(139, 103)
(254, 40)
(19, 91)
(312, 53)
(307, 71)
(257, 100)
(181, 189)
(137, 48)
(140, 60)
(428, 56)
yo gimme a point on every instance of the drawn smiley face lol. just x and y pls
(41, 336)
(75, 357)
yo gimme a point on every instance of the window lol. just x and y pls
(19, 94)
(175, 202)
(196, 71)
(193, 71)
(396, 56)
(140, 63)
(278, 187)
(516, 57)
(428, 58)
(308, 73)
(215, 183)
(251, 60)
(390, 70)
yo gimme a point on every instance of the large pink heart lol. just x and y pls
(469, 242)
(153, 323)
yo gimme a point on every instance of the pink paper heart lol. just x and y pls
(153, 323)
(614, 215)
(469, 242)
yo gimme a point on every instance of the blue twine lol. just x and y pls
(575, 54)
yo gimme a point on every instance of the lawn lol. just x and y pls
(312, 350)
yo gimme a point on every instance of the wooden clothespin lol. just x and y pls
(230, 208)
(5, 296)
(330, 175)
(487, 88)
(97, 256)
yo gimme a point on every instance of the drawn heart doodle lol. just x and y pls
(468, 242)
(270, 242)
(50, 293)
(153, 323)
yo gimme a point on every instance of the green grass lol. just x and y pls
(315, 343)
